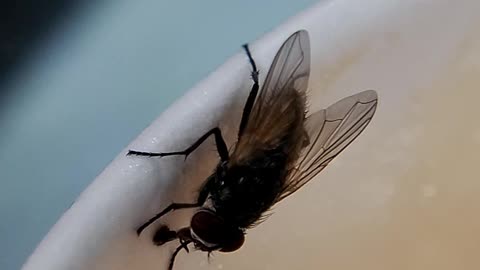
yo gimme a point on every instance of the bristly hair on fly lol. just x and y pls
(279, 149)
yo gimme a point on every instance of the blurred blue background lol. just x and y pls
(88, 87)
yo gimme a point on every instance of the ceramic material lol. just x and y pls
(403, 196)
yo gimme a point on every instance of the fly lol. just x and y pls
(279, 149)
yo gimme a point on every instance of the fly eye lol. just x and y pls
(211, 229)
(207, 226)
(235, 240)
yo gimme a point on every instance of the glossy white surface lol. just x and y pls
(403, 196)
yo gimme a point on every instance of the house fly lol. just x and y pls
(279, 149)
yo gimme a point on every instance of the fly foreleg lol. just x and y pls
(171, 207)
(175, 253)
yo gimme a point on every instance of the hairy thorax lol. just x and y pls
(245, 192)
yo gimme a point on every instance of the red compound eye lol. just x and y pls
(211, 229)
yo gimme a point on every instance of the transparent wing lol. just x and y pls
(330, 131)
(281, 102)
(289, 71)
(290, 67)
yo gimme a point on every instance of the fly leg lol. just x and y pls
(202, 197)
(164, 234)
(222, 151)
(219, 141)
(175, 253)
(253, 93)
(171, 207)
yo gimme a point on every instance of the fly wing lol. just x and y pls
(281, 102)
(290, 69)
(330, 131)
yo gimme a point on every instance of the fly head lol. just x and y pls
(210, 232)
